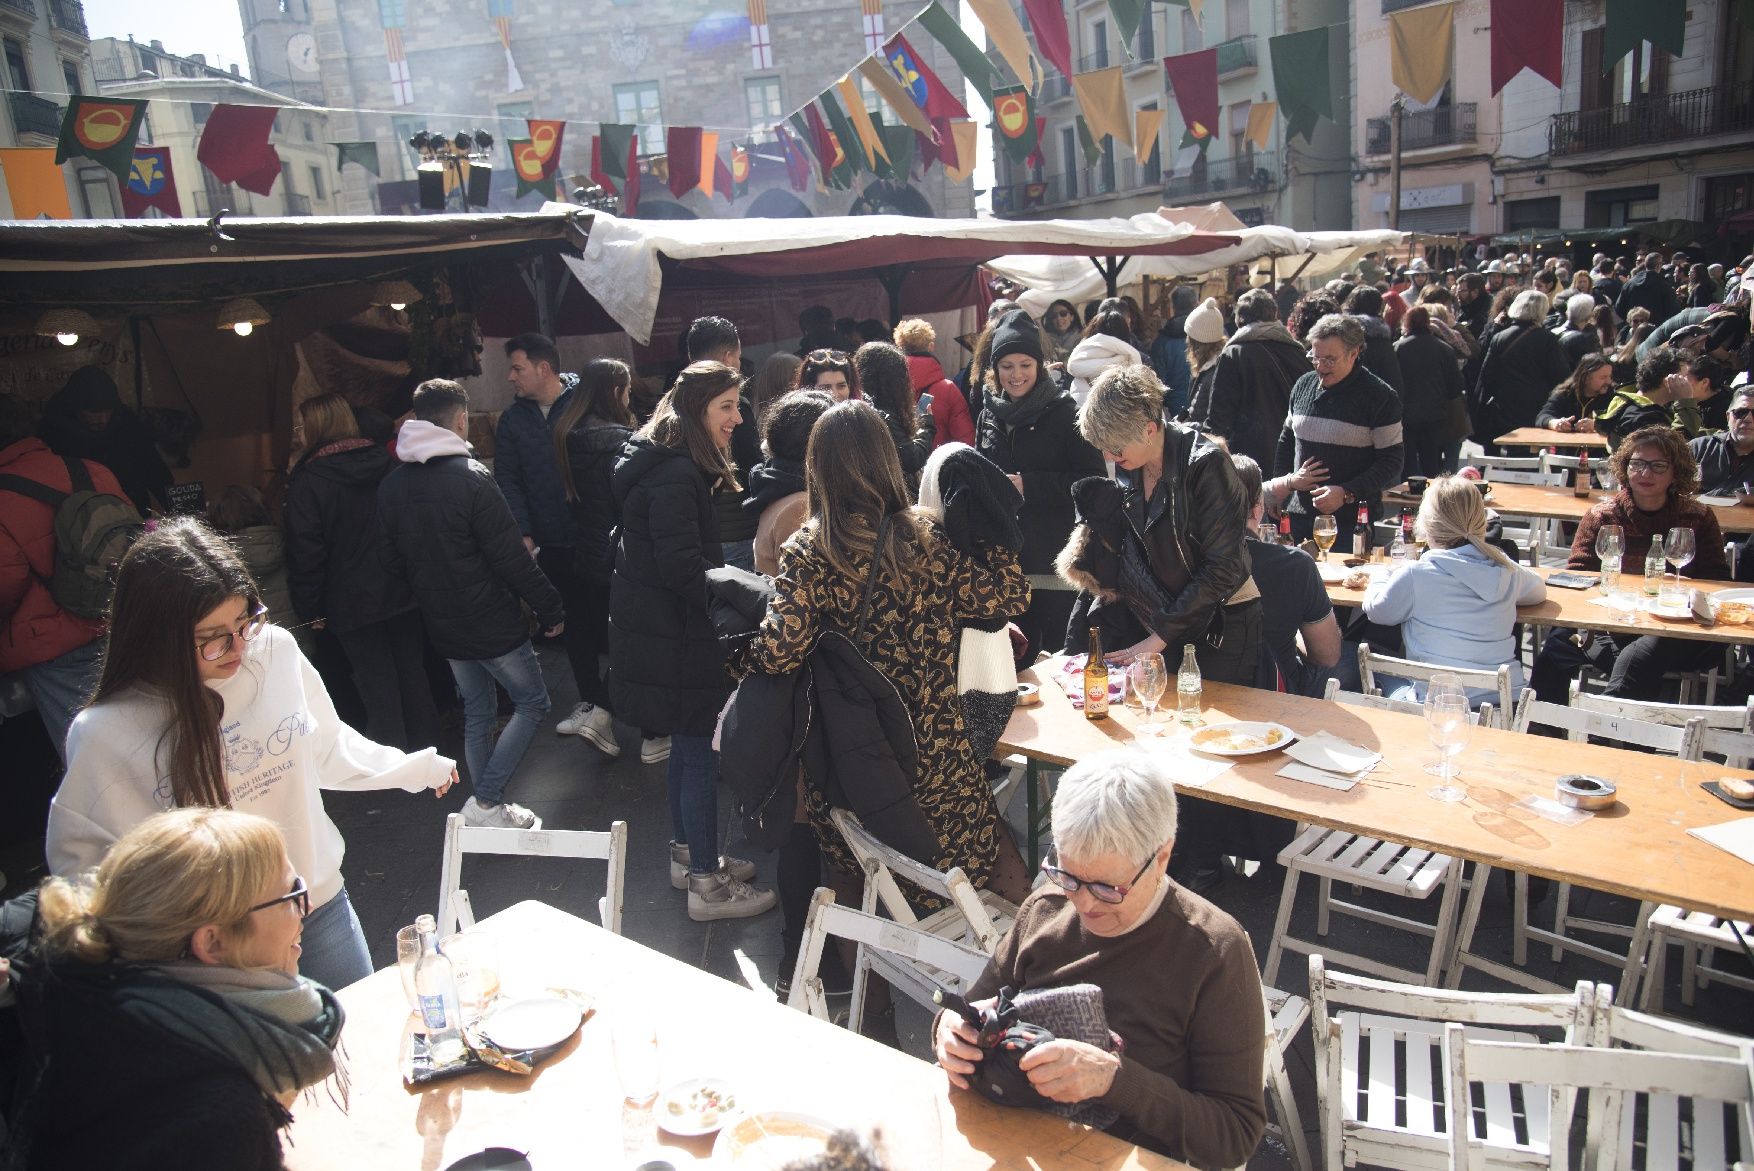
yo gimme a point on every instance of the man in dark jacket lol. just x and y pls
(1169, 350)
(1523, 364)
(1726, 460)
(1378, 356)
(1649, 288)
(451, 537)
(1473, 303)
(1252, 383)
(87, 420)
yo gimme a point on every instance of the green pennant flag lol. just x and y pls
(884, 167)
(528, 166)
(617, 138)
(1127, 14)
(899, 142)
(363, 153)
(1744, 12)
(1661, 22)
(975, 65)
(1014, 121)
(1087, 143)
(1189, 138)
(842, 127)
(102, 129)
(1300, 74)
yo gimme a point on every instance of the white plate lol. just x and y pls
(769, 1140)
(1743, 595)
(1258, 732)
(686, 1120)
(538, 1023)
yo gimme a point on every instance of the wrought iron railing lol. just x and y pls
(297, 204)
(34, 115)
(68, 16)
(1219, 176)
(1444, 126)
(1096, 60)
(1236, 55)
(28, 7)
(1694, 113)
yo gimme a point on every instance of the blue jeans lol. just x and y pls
(694, 799)
(335, 954)
(61, 686)
(739, 554)
(492, 763)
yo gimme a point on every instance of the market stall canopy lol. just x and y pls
(1671, 232)
(621, 268)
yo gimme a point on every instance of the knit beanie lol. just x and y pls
(1016, 334)
(1206, 323)
(91, 389)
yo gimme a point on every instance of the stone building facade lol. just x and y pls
(47, 58)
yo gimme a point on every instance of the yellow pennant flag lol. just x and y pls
(1146, 124)
(37, 186)
(1103, 97)
(882, 80)
(709, 155)
(1260, 128)
(854, 103)
(1198, 6)
(965, 134)
(1006, 33)
(1422, 44)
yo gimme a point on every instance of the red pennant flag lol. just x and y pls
(922, 85)
(722, 184)
(797, 162)
(151, 184)
(827, 150)
(235, 147)
(1047, 20)
(598, 176)
(1193, 78)
(1041, 133)
(546, 135)
(630, 188)
(1527, 34)
(682, 145)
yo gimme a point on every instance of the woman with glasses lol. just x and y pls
(830, 371)
(1180, 989)
(165, 1020)
(203, 702)
(1063, 328)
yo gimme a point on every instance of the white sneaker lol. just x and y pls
(575, 722)
(655, 750)
(719, 896)
(596, 725)
(505, 815)
(738, 868)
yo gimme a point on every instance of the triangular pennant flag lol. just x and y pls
(598, 175)
(235, 148)
(975, 66)
(964, 133)
(740, 171)
(151, 183)
(797, 161)
(709, 161)
(1035, 161)
(1422, 50)
(843, 139)
(1014, 119)
(363, 153)
(1661, 22)
(900, 141)
(630, 188)
(1127, 14)
(546, 135)
(1193, 79)
(1527, 34)
(861, 120)
(834, 168)
(1260, 128)
(529, 168)
(922, 85)
(1087, 143)
(35, 183)
(1047, 20)
(723, 183)
(102, 129)
(898, 99)
(682, 148)
(616, 136)
(1146, 125)
(1006, 33)
(1185, 159)
(1102, 95)
(1301, 79)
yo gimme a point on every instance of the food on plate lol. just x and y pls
(1231, 739)
(701, 1108)
(1356, 580)
(770, 1141)
(1736, 787)
(1734, 613)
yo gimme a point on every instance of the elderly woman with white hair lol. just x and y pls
(1180, 987)
(1524, 362)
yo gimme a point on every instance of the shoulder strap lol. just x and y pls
(77, 475)
(871, 583)
(38, 492)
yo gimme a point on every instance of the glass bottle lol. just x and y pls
(1653, 567)
(436, 987)
(1095, 679)
(1361, 532)
(1188, 688)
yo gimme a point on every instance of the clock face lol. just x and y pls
(301, 54)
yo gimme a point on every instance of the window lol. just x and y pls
(1619, 206)
(1236, 19)
(1526, 214)
(1642, 73)
(286, 186)
(317, 183)
(1145, 44)
(1099, 44)
(1191, 38)
(17, 73)
(1726, 195)
(94, 193)
(873, 103)
(393, 13)
(762, 97)
(637, 102)
(310, 130)
(200, 112)
(1069, 160)
(1241, 148)
(70, 75)
(1105, 180)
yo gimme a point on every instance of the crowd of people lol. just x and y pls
(1103, 472)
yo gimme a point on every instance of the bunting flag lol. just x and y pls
(861, 122)
(546, 135)
(1035, 161)
(872, 12)
(934, 100)
(1193, 6)
(235, 148)
(883, 80)
(760, 40)
(501, 12)
(630, 188)
(708, 166)
(1147, 124)
(363, 153)
(815, 134)
(682, 149)
(101, 129)
(151, 183)
(797, 159)
(1527, 34)
(1260, 127)
(1014, 118)
(1422, 50)
(724, 184)
(393, 17)
(1193, 79)
(1186, 156)
(1035, 194)
(598, 175)
(740, 171)
(616, 138)
(900, 142)
(1047, 20)
(1087, 143)
(964, 134)
(1301, 79)
(530, 168)
(975, 66)
(35, 183)
(842, 135)
(1127, 14)
(1661, 22)
(1006, 33)
(1102, 95)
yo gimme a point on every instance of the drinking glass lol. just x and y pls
(1150, 678)
(1325, 529)
(1678, 548)
(1446, 720)
(407, 955)
(1439, 685)
(635, 1043)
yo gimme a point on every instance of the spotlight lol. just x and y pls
(461, 142)
(419, 141)
(483, 141)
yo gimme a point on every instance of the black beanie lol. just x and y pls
(90, 389)
(1016, 334)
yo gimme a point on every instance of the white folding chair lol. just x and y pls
(975, 917)
(1699, 934)
(1286, 1015)
(1376, 1044)
(1371, 665)
(1485, 715)
(1726, 727)
(460, 838)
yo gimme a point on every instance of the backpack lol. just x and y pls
(92, 531)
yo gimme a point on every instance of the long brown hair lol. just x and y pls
(883, 374)
(680, 420)
(853, 479)
(172, 578)
(598, 393)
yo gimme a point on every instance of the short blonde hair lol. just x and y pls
(1123, 401)
(915, 335)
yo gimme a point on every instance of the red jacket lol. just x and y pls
(33, 629)
(949, 408)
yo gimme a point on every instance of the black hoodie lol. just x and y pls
(334, 547)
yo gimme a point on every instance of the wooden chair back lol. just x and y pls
(1486, 715)
(460, 838)
(882, 865)
(1371, 664)
(915, 962)
(1580, 723)
(1727, 729)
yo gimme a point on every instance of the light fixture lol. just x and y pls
(242, 316)
(397, 295)
(66, 326)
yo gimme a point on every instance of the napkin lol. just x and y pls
(1317, 776)
(1328, 752)
(1735, 836)
(1195, 772)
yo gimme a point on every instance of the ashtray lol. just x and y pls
(1585, 792)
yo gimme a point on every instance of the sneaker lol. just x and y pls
(596, 725)
(719, 896)
(505, 815)
(654, 751)
(737, 868)
(573, 724)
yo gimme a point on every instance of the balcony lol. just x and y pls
(1220, 176)
(209, 202)
(1421, 129)
(1096, 60)
(34, 115)
(1236, 57)
(1054, 87)
(297, 204)
(16, 8)
(68, 16)
(1694, 113)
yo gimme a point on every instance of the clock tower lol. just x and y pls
(281, 40)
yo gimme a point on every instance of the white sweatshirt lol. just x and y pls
(282, 742)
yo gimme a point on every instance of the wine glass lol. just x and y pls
(1441, 684)
(1678, 548)
(1326, 527)
(1150, 678)
(1446, 721)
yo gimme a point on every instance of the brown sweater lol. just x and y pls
(1638, 527)
(1184, 994)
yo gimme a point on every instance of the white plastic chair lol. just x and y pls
(1286, 1015)
(460, 838)
(1485, 715)
(1371, 664)
(976, 917)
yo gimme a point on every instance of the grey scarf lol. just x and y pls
(1012, 413)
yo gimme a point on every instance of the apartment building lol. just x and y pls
(48, 58)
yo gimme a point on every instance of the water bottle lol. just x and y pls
(1653, 567)
(436, 987)
(1611, 574)
(1401, 547)
(1188, 688)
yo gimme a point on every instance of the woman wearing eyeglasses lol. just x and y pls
(202, 702)
(830, 371)
(164, 1017)
(1179, 984)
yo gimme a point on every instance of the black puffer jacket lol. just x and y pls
(1379, 352)
(1251, 387)
(1433, 380)
(592, 448)
(1051, 456)
(451, 537)
(1523, 364)
(334, 548)
(667, 671)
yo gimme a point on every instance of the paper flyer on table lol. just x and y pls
(1737, 837)
(1196, 772)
